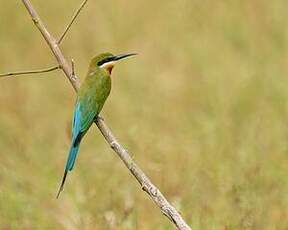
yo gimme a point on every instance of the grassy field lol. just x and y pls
(203, 109)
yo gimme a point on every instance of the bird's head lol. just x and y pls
(107, 60)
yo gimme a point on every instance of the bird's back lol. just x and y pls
(94, 91)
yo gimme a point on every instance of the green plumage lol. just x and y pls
(93, 94)
(90, 100)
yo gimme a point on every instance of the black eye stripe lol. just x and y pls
(108, 59)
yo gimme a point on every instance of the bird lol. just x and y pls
(90, 100)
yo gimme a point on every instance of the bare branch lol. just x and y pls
(51, 41)
(155, 194)
(29, 72)
(166, 208)
(72, 20)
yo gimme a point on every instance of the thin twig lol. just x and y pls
(29, 72)
(71, 22)
(51, 41)
(155, 194)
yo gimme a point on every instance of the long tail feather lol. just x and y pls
(69, 165)
(72, 156)
(62, 183)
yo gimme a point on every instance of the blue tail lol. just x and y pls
(72, 156)
(70, 162)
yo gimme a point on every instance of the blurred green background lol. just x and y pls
(203, 110)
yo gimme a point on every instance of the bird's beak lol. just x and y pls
(121, 56)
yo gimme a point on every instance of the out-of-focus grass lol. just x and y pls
(203, 109)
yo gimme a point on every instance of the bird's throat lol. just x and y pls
(109, 68)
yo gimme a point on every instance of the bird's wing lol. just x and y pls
(84, 114)
(85, 111)
(76, 124)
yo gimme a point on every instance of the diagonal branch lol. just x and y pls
(155, 194)
(29, 72)
(71, 22)
(166, 208)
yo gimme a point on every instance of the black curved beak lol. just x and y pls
(121, 56)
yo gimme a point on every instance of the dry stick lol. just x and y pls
(59, 41)
(166, 208)
(29, 71)
(71, 22)
(51, 41)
